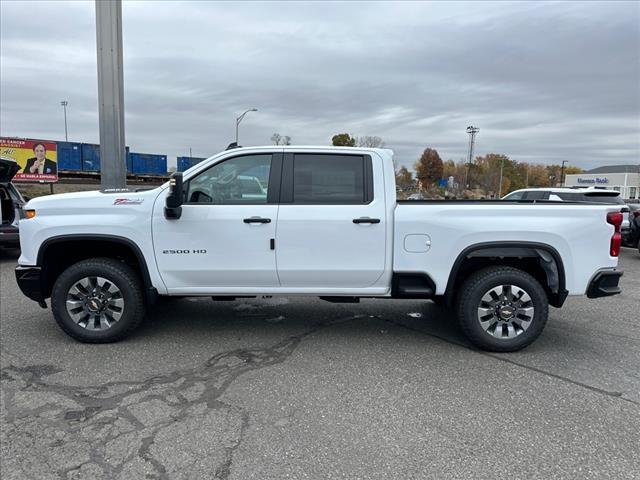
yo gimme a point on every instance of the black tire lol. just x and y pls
(480, 283)
(117, 273)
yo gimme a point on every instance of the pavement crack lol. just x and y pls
(113, 429)
(145, 454)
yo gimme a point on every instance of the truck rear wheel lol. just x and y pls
(502, 309)
(98, 300)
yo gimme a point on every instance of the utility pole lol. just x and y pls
(471, 130)
(500, 188)
(190, 154)
(64, 104)
(111, 94)
(562, 172)
(239, 119)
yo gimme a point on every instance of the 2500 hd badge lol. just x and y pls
(186, 252)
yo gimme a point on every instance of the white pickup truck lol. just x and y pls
(322, 222)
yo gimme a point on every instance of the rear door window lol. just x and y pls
(329, 179)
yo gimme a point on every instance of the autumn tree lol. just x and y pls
(429, 167)
(343, 140)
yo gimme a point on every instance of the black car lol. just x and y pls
(11, 203)
(631, 237)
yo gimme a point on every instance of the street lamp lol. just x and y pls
(239, 119)
(64, 104)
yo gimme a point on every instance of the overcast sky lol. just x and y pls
(543, 81)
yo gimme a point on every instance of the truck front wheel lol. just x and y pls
(98, 300)
(502, 309)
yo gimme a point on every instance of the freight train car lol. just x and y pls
(184, 163)
(148, 163)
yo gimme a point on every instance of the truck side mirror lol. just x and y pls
(175, 197)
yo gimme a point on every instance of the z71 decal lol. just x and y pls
(128, 201)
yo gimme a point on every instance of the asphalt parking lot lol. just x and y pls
(300, 388)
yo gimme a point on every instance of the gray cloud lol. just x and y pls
(544, 81)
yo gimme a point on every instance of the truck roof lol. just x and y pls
(385, 151)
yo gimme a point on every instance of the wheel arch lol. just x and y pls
(541, 260)
(78, 247)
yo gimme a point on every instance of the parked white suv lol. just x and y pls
(581, 194)
(324, 222)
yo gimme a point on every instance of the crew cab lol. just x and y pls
(325, 222)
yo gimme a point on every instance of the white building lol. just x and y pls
(623, 178)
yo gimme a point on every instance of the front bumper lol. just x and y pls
(30, 282)
(604, 284)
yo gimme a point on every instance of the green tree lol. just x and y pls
(429, 167)
(343, 140)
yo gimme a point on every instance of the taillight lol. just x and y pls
(615, 219)
(636, 213)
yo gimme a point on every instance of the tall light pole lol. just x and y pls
(562, 172)
(64, 104)
(239, 119)
(471, 130)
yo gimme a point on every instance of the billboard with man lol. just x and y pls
(38, 159)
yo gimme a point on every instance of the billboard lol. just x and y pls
(38, 159)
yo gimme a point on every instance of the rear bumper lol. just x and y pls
(30, 282)
(604, 284)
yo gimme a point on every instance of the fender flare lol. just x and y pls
(150, 290)
(550, 260)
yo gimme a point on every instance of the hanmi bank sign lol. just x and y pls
(593, 181)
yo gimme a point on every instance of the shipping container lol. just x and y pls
(184, 163)
(148, 163)
(91, 158)
(69, 156)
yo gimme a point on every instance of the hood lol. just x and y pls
(91, 200)
(8, 168)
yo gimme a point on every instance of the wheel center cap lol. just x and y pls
(506, 312)
(94, 304)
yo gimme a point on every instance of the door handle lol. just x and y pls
(257, 220)
(366, 220)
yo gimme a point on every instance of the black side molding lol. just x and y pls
(604, 284)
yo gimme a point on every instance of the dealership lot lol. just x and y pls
(300, 388)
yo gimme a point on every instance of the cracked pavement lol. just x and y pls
(300, 388)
